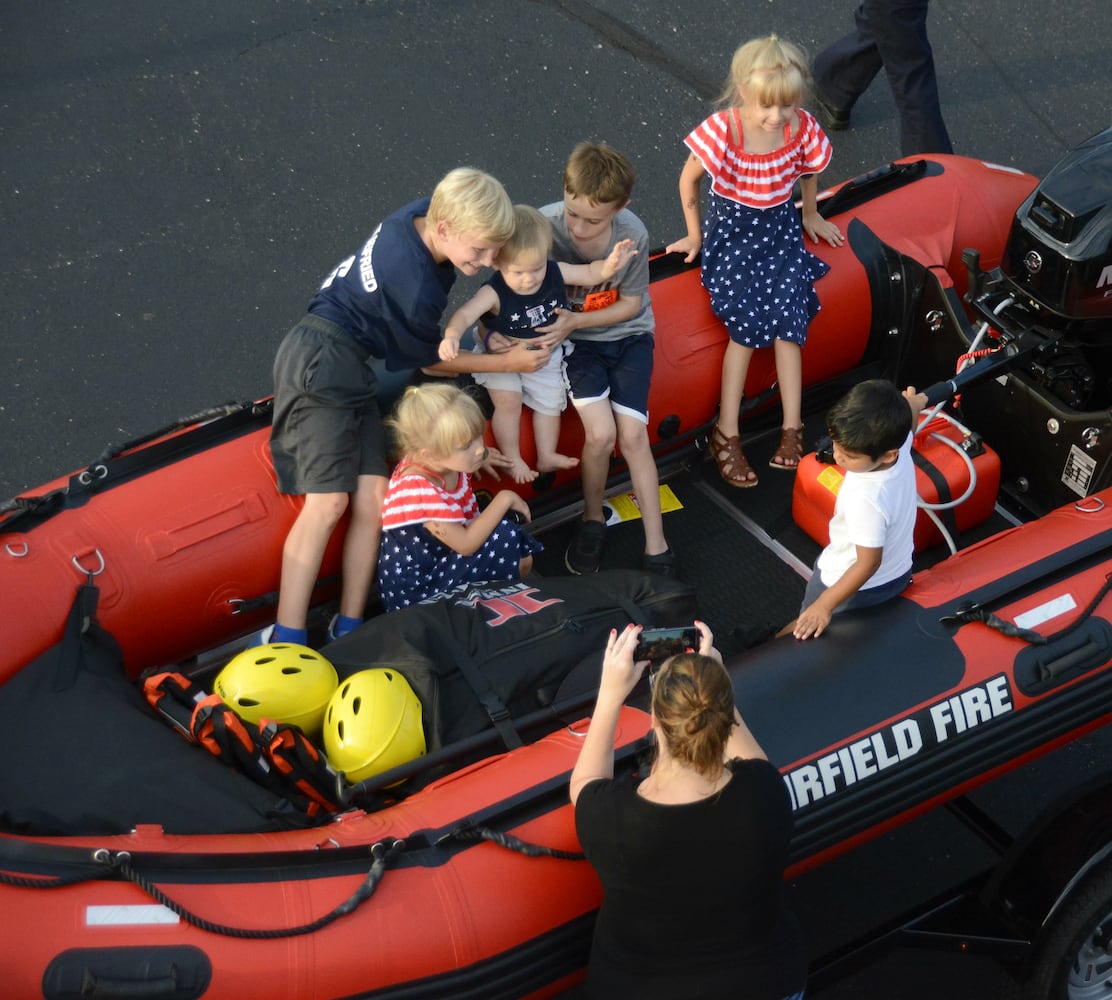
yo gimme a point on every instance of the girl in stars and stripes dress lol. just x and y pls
(434, 537)
(760, 276)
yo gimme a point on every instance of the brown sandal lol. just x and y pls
(731, 461)
(790, 452)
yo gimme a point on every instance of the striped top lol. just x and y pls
(413, 499)
(759, 180)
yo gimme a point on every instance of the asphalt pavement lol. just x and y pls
(177, 179)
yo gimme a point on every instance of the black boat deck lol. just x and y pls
(740, 548)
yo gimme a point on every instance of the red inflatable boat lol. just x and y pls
(468, 884)
(183, 532)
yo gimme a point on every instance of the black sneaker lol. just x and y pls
(831, 118)
(662, 564)
(585, 548)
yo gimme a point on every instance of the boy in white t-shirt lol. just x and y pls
(868, 560)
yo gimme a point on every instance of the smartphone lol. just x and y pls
(656, 644)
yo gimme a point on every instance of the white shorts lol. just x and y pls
(544, 391)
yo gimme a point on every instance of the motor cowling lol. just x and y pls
(1059, 250)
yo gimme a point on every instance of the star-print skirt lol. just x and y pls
(414, 566)
(760, 277)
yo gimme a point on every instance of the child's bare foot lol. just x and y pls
(555, 461)
(520, 472)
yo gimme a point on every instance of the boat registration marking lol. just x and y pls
(119, 916)
(1044, 612)
(1078, 471)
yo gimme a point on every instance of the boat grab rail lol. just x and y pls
(118, 865)
(121, 463)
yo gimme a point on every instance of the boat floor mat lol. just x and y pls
(710, 545)
(721, 527)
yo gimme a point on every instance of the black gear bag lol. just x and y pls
(488, 655)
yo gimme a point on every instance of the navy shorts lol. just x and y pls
(865, 598)
(327, 427)
(618, 370)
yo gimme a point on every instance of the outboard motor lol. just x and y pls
(1050, 305)
(1059, 250)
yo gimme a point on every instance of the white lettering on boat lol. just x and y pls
(890, 745)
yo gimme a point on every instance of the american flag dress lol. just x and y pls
(755, 267)
(415, 566)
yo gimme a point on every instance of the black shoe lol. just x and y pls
(585, 548)
(662, 564)
(830, 118)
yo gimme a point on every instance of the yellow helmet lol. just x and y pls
(372, 723)
(282, 681)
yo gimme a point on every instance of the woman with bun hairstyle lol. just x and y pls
(691, 855)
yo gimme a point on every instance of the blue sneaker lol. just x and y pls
(342, 625)
(279, 633)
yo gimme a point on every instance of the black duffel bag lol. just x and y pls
(488, 655)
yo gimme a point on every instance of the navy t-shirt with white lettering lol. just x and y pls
(391, 294)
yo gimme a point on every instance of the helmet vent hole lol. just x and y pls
(356, 704)
(248, 702)
(389, 676)
(340, 729)
(291, 670)
(265, 659)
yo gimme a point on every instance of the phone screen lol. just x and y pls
(656, 644)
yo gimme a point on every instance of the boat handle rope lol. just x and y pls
(472, 834)
(118, 865)
(383, 855)
(986, 617)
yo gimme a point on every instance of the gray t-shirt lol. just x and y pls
(632, 280)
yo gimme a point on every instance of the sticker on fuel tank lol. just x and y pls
(890, 745)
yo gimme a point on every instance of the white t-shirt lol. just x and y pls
(877, 511)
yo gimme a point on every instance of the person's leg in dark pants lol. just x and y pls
(892, 34)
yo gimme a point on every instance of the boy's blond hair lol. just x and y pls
(435, 418)
(532, 233)
(600, 174)
(471, 201)
(771, 70)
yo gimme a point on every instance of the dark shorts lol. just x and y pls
(327, 427)
(864, 598)
(619, 370)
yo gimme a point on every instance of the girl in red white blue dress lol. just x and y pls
(760, 276)
(434, 538)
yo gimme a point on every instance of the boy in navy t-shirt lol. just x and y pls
(383, 302)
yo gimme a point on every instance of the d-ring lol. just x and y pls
(92, 473)
(90, 572)
(1090, 505)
